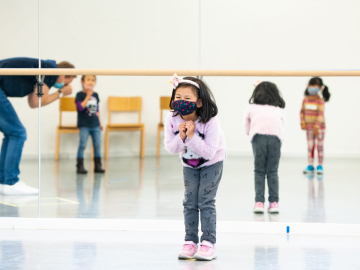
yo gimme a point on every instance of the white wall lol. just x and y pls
(161, 34)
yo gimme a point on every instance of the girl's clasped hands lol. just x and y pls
(186, 129)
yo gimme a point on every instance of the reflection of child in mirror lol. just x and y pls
(265, 124)
(87, 104)
(313, 121)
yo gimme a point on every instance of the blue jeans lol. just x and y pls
(13, 142)
(96, 138)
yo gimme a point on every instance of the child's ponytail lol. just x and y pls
(326, 94)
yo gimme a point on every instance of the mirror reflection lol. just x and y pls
(106, 140)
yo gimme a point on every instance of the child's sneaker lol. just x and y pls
(259, 208)
(273, 208)
(188, 251)
(207, 251)
(309, 170)
(319, 169)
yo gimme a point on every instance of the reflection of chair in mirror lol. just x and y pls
(67, 104)
(125, 104)
(164, 105)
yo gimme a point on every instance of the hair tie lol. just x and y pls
(175, 81)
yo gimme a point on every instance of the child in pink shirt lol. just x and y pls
(193, 131)
(264, 123)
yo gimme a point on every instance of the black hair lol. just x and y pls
(318, 81)
(267, 93)
(208, 108)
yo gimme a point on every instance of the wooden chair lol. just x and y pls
(164, 105)
(125, 104)
(67, 104)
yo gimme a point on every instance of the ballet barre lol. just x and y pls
(169, 73)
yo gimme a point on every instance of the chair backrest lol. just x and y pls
(164, 105)
(67, 104)
(125, 104)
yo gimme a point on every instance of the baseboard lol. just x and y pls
(178, 226)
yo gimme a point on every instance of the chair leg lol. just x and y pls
(158, 143)
(57, 145)
(142, 144)
(107, 143)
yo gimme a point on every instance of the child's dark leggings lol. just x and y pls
(266, 151)
(200, 191)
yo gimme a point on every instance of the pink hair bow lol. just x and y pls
(175, 81)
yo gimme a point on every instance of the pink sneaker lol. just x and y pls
(259, 208)
(273, 208)
(188, 251)
(207, 251)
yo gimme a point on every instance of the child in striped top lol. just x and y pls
(313, 121)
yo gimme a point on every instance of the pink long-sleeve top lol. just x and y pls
(264, 120)
(206, 147)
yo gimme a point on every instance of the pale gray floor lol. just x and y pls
(152, 189)
(82, 250)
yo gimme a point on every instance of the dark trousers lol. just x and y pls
(267, 154)
(201, 186)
